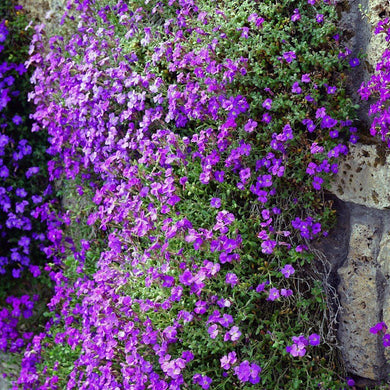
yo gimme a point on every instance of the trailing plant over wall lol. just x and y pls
(200, 137)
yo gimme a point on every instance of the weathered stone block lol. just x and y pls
(364, 177)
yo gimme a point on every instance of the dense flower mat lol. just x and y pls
(191, 141)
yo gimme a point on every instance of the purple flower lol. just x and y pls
(231, 279)
(378, 327)
(333, 134)
(226, 320)
(245, 174)
(289, 56)
(260, 288)
(287, 270)
(228, 360)
(4, 172)
(354, 62)
(273, 294)
(266, 118)
(286, 293)
(215, 202)
(17, 120)
(233, 334)
(296, 349)
(317, 181)
(314, 149)
(311, 168)
(202, 380)
(350, 382)
(213, 331)
(328, 122)
(250, 126)
(32, 171)
(331, 90)
(314, 339)
(319, 18)
(267, 104)
(186, 278)
(248, 372)
(386, 340)
(305, 78)
(268, 246)
(219, 176)
(296, 88)
(21, 192)
(296, 15)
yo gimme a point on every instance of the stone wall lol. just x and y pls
(362, 263)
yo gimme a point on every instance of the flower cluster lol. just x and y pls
(16, 309)
(381, 327)
(20, 180)
(298, 348)
(377, 88)
(188, 129)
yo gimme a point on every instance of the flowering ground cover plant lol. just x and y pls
(22, 178)
(199, 137)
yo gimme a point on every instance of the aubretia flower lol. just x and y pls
(378, 327)
(215, 202)
(296, 349)
(213, 331)
(319, 18)
(286, 292)
(267, 104)
(233, 334)
(296, 15)
(254, 18)
(32, 171)
(231, 279)
(228, 360)
(331, 90)
(314, 339)
(317, 181)
(260, 288)
(266, 118)
(268, 246)
(248, 372)
(328, 122)
(273, 294)
(21, 192)
(386, 340)
(333, 134)
(219, 176)
(245, 174)
(17, 119)
(287, 270)
(354, 62)
(202, 380)
(305, 78)
(250, 126)
(289, 56)
(296, 88)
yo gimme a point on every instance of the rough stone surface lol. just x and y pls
(361, 290)
(7, 366)
(364, 177)
(48, 12)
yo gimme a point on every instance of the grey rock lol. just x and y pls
(359, 297)
(364, 177)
